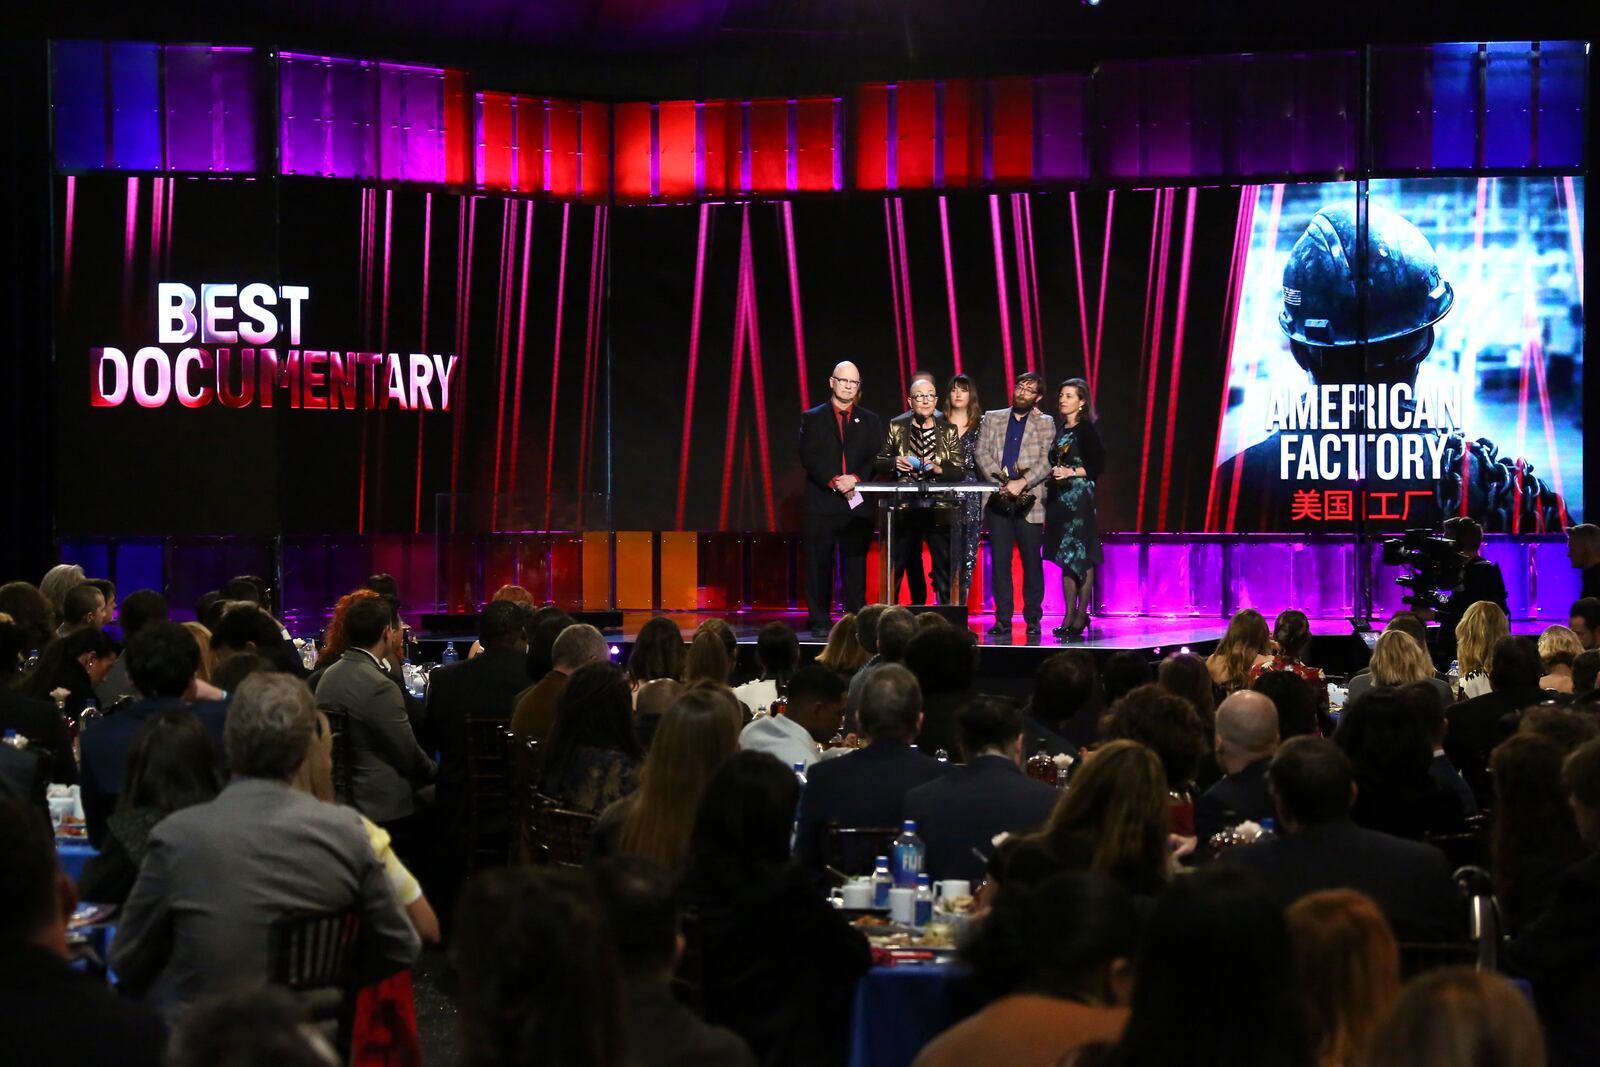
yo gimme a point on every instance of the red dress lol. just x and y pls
(1312, 676)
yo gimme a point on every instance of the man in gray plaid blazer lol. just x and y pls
(1014, 451)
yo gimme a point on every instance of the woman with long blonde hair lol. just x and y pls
(1480, 627)
(844, 654)
(695, 737)
(1349, 969)
(1398, 660)
(1245, 643)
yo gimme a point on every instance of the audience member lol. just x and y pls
(642, 915)
(843, 652)
(868, 787)
(34, 718)
(707, 660)
(1245, 643)
(1291, 638)
(658, 652)
(1397, 659)
(652, 701)
(1112, 820)
(508, 594)
(1567, 728)
(1423, 700)
(577, 646)
(812, 716)
(138, 608)
(56, 1015)
(235, 669)
(1124, 672)
(546, 626)
(730, 644)
(162, 659)
(1163, 722)
(1454, 1017)
(1244, 1010)
(959, 814)
(55, 584)
(69, 668)
(387, 765)
(1583, 618)
(1559, 647)
(1583, 550)
(867, 620)
(1067, 703)
(1475, 726)
(108, 596)
(539, 976)
(1348, 966)
(30, 610)
(247, 627)
(1407, 622)
(1318, 847)
(1533, 836)
(1057, 962)
(171, 766)
(592, 758)
(1186, 674)
(335, 640)
(753, 909)
(945, 662)
(1479, 630)
(1246, 738)
(1391, 751)
(778, 656)
(1559, 951)
(83, 605)
(1585, 670)
(208, 660)
(1295, 704)
(252, 1026)
(217, 875)
(697, 735)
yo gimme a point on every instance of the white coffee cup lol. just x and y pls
(903, 905)
(951, 888)
(857, 896)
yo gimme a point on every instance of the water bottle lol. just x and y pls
(924, 902)
(881, 881)
(908, 853)
(450, 654)
(942, 756)
(1454, 675)
(800, 773)
(308, 653)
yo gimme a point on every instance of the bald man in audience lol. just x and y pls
(1247, 737)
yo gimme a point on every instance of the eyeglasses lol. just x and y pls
(845, 381)
(924, 396)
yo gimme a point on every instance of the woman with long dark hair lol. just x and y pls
(76, 662)
(594, 756)
(1072, 531)
(171, 766)
(964, 411)
(658, 652)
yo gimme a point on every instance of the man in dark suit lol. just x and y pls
(1247, 736)
(387, 765)
(839, 442)
(218, 875)
(56, 1016)
(1476, 726)
(1318, 847)
(163, 658)
(1559, 951)
(959, 815)
(868, 787)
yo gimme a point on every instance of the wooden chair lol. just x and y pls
(1469, 849)
(558, 836)
(488, 790)
(339, 725)
(314, 955)
(853, 849)
(525, 756)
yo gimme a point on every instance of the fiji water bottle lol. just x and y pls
(450, 654)
(908, 853)
(924, 901)
(881, 882)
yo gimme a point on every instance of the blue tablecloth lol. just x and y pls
(74, 854)
(898, 1010)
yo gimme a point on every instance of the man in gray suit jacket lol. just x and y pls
(1014, 450)
(386, 763)
(218, 875)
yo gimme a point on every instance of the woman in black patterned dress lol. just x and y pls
(963, 411)
(1072, 534)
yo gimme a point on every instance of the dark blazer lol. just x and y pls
(1450, 780)
(1233, 800)
(1410, 882)
(939, 722)
(59, 1017)
(385, 759)
(1475, 729)
(104, 743)
(484, 687)
(867, 787)
(966, 808)
(947, 451)
(43, 726)
(821, 449)
(1560, 953)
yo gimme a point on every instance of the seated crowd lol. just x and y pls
(1201, 860)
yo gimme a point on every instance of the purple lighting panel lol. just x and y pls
(350, 118)
(211, 107)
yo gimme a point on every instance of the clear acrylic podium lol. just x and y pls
(896, 496)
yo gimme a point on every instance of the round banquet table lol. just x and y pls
(898, 1010)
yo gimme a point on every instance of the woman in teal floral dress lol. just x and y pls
(965, 412)
(1072, 534)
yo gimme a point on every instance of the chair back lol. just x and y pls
(526, 754)
(558, 836)
(1467, 849)
(339, 726)
(1484, 925)
(488, 789)
(313, 950)
(852, 850)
